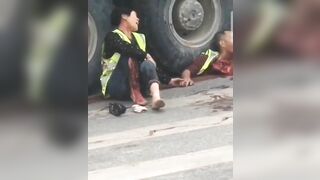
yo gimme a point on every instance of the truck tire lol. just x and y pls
(99, 12)
(179, 30)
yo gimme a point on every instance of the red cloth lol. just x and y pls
(136, 95)
(223, 66)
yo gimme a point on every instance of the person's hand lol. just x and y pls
(153, 62)
(187, 82)
(149, 58)
(176, 82)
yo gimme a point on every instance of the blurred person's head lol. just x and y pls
(224, 41)
(300, 32)
(126, 18)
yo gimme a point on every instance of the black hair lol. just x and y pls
(116, 14)
(216, 40)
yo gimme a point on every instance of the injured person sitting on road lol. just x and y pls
(212, 62)
(128, 70)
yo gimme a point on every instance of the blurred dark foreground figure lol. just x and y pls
(280, 28)
(300, 32)
(46, 133)
(42, 50)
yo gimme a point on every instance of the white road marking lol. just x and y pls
(144, 133)
(163, 166)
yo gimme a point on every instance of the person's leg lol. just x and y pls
(150, 81)
(124, 82)
(118, 84)
(157, 102)
(134, 81)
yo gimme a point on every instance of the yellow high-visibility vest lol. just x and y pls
(108, 65)
(212, 55)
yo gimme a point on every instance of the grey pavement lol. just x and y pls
(206, 99)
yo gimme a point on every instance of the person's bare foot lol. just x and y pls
(157, 104)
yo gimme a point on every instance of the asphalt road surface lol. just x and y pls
(190, 139)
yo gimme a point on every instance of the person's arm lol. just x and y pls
(150, 58)
(195, 67)
(192, 70)
(113, 43)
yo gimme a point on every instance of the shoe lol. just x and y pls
(117, 109)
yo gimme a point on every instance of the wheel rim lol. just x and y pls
(92, 37)
(194, 22)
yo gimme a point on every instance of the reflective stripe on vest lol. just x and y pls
(211, 56)
(108, 65)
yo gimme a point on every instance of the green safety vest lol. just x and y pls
(212, 55)
(108, 65)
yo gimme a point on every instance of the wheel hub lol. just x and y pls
(190, 14)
